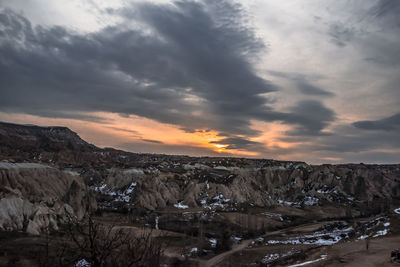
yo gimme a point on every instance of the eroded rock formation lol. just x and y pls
(34, 197)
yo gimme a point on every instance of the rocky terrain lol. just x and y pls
(34, 197)
(48, 174)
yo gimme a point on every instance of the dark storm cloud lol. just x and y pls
(309, 89)
(387, 124)
(311, 116)
(388, 10)
(239, 143)
(190, 65)
(383, 45)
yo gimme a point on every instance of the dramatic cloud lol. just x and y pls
(193, 69)
(387, 124)
(226, 70)
(238, 143)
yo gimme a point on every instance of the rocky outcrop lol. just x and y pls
(274, 183)
(34, 197)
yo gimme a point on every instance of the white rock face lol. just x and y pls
(35, 197)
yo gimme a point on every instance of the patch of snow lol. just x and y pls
(380, 233)
(324, 191)
(213, 242)
(102, 189)
(317, 238)
(120, 196)
(386, 224)
(363, 237)
(310, 201)
(130, 188)
(338, 177)
(194, 250)
(397, 211)
(181, 206)
(288, 203)
(270, 257)
(323, 257)
(82, 263)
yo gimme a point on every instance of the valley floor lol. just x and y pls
(19, 249)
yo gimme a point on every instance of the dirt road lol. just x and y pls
(217, 259)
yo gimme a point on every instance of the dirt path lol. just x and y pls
(217, 259)
(355, 253)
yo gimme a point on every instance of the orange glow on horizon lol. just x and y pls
(114, 129)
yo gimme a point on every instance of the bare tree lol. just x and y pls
(100, 245)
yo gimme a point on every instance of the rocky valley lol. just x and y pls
(201, 211)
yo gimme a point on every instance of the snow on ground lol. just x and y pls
(208, 185)
(181, 206)
(318, 238)
(323, 257)
(274, 256)
(380, 233)
(288, 203)
(213, 242)
(217, 202)
(310, 201)
(82, 263)
(120, 196)
(397, 210)
(270, 257)
(363, 237)
(324, 190)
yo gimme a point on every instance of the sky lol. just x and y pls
(308, 80)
